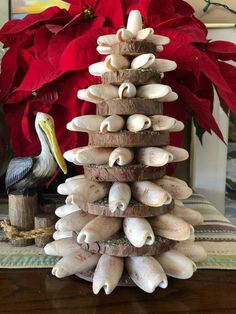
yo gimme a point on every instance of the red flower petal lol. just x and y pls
(223, 50)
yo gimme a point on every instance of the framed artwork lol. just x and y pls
(19, 8)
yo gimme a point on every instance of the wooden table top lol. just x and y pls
(36, 291)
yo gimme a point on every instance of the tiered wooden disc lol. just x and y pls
(118, 245)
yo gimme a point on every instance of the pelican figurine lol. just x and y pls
(25, 174)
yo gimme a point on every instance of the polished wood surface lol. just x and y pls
(36, 291)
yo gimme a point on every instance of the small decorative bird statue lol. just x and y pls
(26, 175)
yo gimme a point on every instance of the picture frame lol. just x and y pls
(19, 8)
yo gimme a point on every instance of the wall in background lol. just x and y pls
(4, 13)
(209, 160)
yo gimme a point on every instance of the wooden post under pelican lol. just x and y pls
(26, 175)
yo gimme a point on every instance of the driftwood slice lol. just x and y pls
(128, 139)
(129, 173)
(119, 245)
(129, 106)
(135, 209)
(133, 48)
(125, 280)
(137, 77)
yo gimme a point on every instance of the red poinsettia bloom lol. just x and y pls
(49, 54)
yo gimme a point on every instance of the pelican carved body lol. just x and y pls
(26, 174)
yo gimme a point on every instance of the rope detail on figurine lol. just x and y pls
(13, 233)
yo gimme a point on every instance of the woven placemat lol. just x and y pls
(217, 235)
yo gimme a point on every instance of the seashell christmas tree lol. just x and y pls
(123, 223)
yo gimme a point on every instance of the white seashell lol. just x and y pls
(171, 227)
(57, 235)
(158, 40)
(119, 196)
(146, 272)
(121, 156)
(138, 122)
(143, 61)
(73, 221)
(62, 247)
(85, 123)
(101, 92)
(179, 203)
(107, 40)
(83, 95)
(176, 264)
(99, 229)
(153, 156)
(176, 187)
(179, 126)
(112, 123)
(159, 48)
(80, 261)
(88, 155)
(192, 250)
(179, 154)
(64, 210)
(144, 33)
(84, 189)
(98, 69)
(152, 91)
(104, 50)
(127, 90)
(116, 62)
(162, 123)
(124, 35)
(163, 65)
(134, 23)
(190, 215)
(107, 274)
(138, 231)
(172, 96)
(150, 193)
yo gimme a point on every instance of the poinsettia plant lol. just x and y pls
(49, 53)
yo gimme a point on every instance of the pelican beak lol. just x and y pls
(48, 127)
